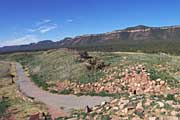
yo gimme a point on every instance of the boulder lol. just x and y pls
(115, 108)
(170, 118)
(152, 118)
(161, 104)
(173, 113)
(139, 106)
(103, 103)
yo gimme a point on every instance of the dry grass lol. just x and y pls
(19, 106)
(58, 65)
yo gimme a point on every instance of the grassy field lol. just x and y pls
(12, 103)
(59, 65)
(53, 65)
(160, 65)
(47, 68)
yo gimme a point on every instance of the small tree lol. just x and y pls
(84, 55)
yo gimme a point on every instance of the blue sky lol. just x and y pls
(26, 21)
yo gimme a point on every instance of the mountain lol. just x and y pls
(130, 39)
(137, 33)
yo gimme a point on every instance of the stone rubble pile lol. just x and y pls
(146, 100)
(134, 80)
(137, 107)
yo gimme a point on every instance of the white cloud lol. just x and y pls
(43, 27)
(45, 21)
(30, 35)
(22, 40)
(47, 28)
(69, 20)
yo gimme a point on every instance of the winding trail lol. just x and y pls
(55, 102)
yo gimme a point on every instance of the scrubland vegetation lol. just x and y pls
(13, 105)
(137, 82)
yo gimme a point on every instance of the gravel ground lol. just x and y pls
(67, 102)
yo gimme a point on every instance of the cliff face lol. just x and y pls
(129, 35)
(138, 33)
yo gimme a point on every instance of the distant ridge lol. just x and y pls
(137, 35)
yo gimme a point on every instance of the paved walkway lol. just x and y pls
(55, 101)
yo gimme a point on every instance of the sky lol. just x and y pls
(28, 21)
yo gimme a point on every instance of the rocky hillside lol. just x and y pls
(137, 33)
(129, 39)
(142, 86)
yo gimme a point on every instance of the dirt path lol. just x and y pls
(54, 101)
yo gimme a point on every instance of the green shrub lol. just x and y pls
(39, 81)
(154, 74)
(24, 59)
(167, 106)
(65, 91)
(102, 94)
(90, 77)
(3, 107)
(105, 117)
(53, 91)
(170, 97)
